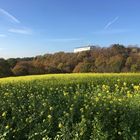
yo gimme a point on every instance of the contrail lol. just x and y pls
(13, 18)
(111, 22)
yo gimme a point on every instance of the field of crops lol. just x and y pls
(70, 107)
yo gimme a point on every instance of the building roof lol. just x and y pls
(85, 46)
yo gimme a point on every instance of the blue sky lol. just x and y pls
(34, 27)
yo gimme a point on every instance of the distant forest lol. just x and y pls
(116, 58)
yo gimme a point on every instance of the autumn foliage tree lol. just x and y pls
(116, 58)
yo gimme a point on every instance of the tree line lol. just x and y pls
(116, 58)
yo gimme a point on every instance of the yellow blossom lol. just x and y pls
(3, 114)
(136, 88)
(7, 126)
(129, 95)
(49, 116)
(51, 108)
(60, 125)
(96, 99)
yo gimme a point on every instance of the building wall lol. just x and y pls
(82, 49)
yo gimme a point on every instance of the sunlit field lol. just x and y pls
(70, 107)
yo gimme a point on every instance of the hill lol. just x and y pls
(116, 58)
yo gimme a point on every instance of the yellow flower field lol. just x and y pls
(70, 107)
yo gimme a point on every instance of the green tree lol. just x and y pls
(5, 69)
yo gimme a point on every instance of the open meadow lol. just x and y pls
(70, 107)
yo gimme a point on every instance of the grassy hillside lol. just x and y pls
(70, 106)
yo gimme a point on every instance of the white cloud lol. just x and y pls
(20, 31)
(111, 22)
(10, 16)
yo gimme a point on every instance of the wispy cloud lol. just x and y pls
(112, 31)
(10, 16)
(63, 39)
(111, 22)
(2, 35)
(20, 31)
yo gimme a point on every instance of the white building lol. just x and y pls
(81, 49)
